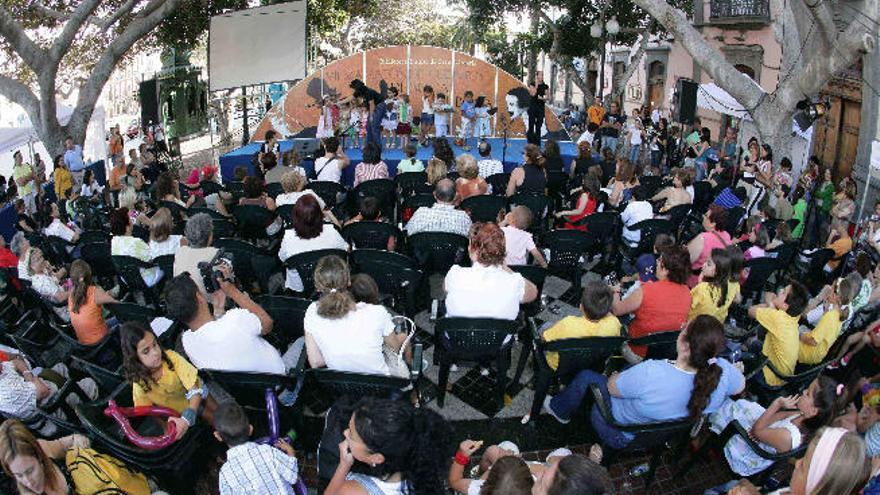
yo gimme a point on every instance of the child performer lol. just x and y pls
(483, 118)
(389, 121)
(325, 120)
(427, 117)
(468, 117)
(404, 121)
(442, 110)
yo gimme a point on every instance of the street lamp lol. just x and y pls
(612, 29)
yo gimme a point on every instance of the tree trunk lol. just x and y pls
(533, 50)
(774, 128)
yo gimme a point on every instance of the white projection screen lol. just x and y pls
(257, 46)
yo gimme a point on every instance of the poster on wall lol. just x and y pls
(409, 69)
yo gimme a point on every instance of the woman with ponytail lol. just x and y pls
(392, 448)
(696, 383)
(345, 335)
(85, 305)
(716, 289)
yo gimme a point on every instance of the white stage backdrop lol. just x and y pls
(257, 46)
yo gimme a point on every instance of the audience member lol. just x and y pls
(123, 243)
(518, 242)
(330, 166)
(716, 289)
(308, 233)
(199, 234)
(487, 165)
(162, 241)
(779, 316)
(410, 163)
(372, 167)
(530, 177)
(442, 216)
(85, 305)
(469, 183)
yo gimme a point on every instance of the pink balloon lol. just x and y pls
(121, 415)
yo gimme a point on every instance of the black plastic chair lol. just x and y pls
(794, 384)
(734, 217)
(436, 252)
(128, 269)
(69, 423)
(498, 183)
(336, 384)
(760, 270)
(661, 345)
(536, 275)
(178, 213)
(785, 253)
(370, 235)
(89, 236)
(305, 263)
(242, 253)
(223, 229)
(210, 187)
(166, 263)
(328, 191)
(484, 208)
(97, 255)
(214, 214)
(702, 196)
(540, 206)
(273, 189)
(413, 203)
(651, 184)
(652, 438)
(57, 252)
(126, 312)
(285, 213)
(287, 314)
(574, 355)
(107, 380)
(812, 274)
(407, 182)
(397, 276)
(678, 214)
(649, 229)
(252, 221)
(567, 249)
(381, 189)
(474, 340)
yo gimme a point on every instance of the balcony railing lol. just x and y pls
(740, 11)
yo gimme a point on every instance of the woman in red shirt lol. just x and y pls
(658, 306)
(586, 204)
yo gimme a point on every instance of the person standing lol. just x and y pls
(369, 95)
(538, 91)
(596, 111)
(73, 158)
(23, 174)
(116, 144)
(612, 122)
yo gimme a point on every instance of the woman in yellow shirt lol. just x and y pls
(163, 378)
(717, 288)
(63, 178)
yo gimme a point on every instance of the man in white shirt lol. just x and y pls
(442, 216)
(329, 167)
(637, 210)
(226, 340)
(487, 165)
(589, 135)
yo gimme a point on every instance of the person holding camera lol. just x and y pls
(220, 339)
(199, 233)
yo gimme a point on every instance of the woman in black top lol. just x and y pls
(583, 162)
(552, 156)
(531, 176)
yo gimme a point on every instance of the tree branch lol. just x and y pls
(122, 11)
(20, 94)
(634, 63)
(674, 20)
(31, 53)
(64, 40)
(564, 61)
(787, 33)
(821, 11)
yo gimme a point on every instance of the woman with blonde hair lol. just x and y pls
(531, 176)
(436, 171)
(469, 182)
(345, 335)
(129, 199)
(162, 241)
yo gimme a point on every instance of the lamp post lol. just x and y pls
(598, 31)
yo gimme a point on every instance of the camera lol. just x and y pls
(210, 270)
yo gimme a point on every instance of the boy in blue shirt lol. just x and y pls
(468, 116)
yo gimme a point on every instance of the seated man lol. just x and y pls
(442, 216)
(225, 340)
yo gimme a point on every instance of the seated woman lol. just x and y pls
(309, 233)
(344, 335)
(85, 305)
(782, 236)
(56, 466)
(162, 241)
(47, 281)
(583, 161)
(168, 189)
(469, 182)
(696, 383)
(659, 306)
(255, 195)
(369, 211)
(436, 170)
(90, 189)
(372, 166)
(835, 462)
(716, 289)
(67, 231)
(124, 244)
(588, 199)
(294, 185)
(840, 242)
(779, 428)
(530, 177)
(488, 288)
(24, 222)
(637, 210)
(137, 209)
(676, 194)
(713, 237)
(623, 183)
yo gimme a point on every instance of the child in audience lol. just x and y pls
(782, 236)
(855, 343)
(163, 378)
(781, 427)
(364, 289)
(519, 243)
(276, 466)
(759, 238)
(716, 291)
(828, 311)
(646, 265)
(85, 304)
(780, 316)
(410, 163)
(368, 211)
(597, 320)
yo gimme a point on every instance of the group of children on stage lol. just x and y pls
(349, 119)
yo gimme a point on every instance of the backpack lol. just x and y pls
(94, 473)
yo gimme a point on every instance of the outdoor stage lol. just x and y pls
(512, 158)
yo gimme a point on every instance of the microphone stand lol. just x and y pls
(506, 126)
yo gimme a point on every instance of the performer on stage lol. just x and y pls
(442, 111)
(468, 117)
(325, 120)
(538, 91)
(370, 95)
(426, 130)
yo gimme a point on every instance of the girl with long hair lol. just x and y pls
(716, 290)
(85, 305)
(391, 447)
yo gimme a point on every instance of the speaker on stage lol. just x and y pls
(686, 101)
(306, 147)
(148, 95)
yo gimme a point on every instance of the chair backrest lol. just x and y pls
(702, 195)
(107, 380)
(661, 345)
(273, 189)
(178, 213)
(760, 271)
(603, 226)
(214, 214)
(484, 208)
(305, 263)
(223, 228)
(819, 258)
(566, 246)
(474, 338)
(166, 263)
(785, 253)
(413, 203)
(370, 235)
(253, 220)
(397, 276)
(539, 205)
(498, 183)
(407, 182)
(677, 214)
(360, 257)
(285, 213)
(248, 389)
(734, 217)
(210, 187)
(582, 353)
(129, 270)
(651, 184)
(57, 251)
(649, 230)
(125, 312)
(327, 190)
(242, 253)
(341, 383)
(381, 189)
(89, 236)
(536, 275)
(97, 255)
(436, 252)
(287, 314)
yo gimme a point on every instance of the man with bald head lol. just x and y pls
(442, 216)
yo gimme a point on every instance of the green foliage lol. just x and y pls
(184, 28)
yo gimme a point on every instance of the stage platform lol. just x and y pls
(511, 158)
